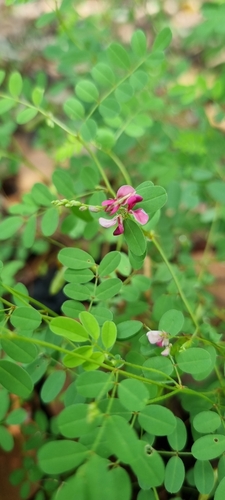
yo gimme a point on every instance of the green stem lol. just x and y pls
(172, 453)
(176, 370)
(100, 169)
(176, 281)
(22, 296)
(156, 494)
(101, 430)
(121, 167)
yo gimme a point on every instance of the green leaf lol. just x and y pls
(78, 356)
(103, 75)
(87, 91)
(121, 489)
(41, 195)
(4, 402)
(89, 177)
(206, 421)
(139, 80)
(139, 43)
(118, 56)
(105, 138)
(68, 328)
(109, 108)
(193, 360)
(49, 222)
(174, 474)
(6, 105)
(37, 368)
(6, 439)
(109, 263)
(209, 447)
(16, 417)
(26, 115)
(9, 226)
(157, 420)
(15, 84)
(220, 491)
(75, 258)
(124, 92)
(158, 363)
(133, 394)
(204, 477)
(171, 322)
(121, 438)
(154, 197)
(90, 324)
(221, 468)
(15, 379)
(134, 237)
(2, 76)
(132, 129)
(74, 109)
(52, 386)
(148, 466)
(26, 318)
(94, 362)
(88, 130)
(162, 40)
(108, 289)
(28, 236)
(178, 438)
(78, 275)
(19, 349)
(216, 191)
(77, 292)
(57, 457)
(37, 96)
(77, 420)
(94, 384)
(115, 409)
(109, 333)
(63, 183)
(72, 308)
(128, 329)
(102, 314)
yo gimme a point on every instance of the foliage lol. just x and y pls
(138, 414)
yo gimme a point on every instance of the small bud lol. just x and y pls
(82, 208)
(94, 209)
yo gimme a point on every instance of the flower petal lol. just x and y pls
(125, 191)
(140, 216)
(120, 228)
(154, 336)
(107, 202)
(166, 351)
(107, 222)
(132, 200)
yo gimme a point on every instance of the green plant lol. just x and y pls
(137, 357)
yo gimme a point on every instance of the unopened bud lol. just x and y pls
(82, 208)
(92, 208)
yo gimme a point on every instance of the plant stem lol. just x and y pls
(176, 281)
(121, 167)
(22, 296)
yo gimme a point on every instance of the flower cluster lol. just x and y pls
(160, 339)
(126, 199)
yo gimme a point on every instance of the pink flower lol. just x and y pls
(112, 222)
(126, 199)
(160, 339)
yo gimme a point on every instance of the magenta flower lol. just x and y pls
(112, 222)
(160, 339)
(126, 199)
